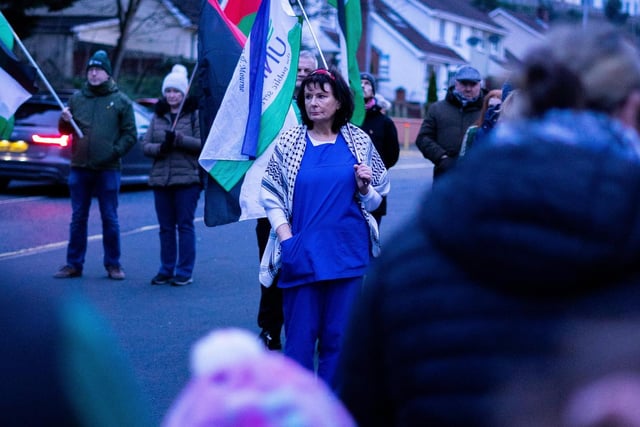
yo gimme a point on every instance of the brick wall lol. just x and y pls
(407, 131)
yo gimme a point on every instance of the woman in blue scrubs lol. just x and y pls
(323, 179)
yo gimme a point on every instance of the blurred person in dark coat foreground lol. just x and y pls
(538, 226)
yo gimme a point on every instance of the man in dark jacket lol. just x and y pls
(105, 117)
(382, 132)
(443, 129)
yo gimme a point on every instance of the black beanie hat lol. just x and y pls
(371, 79)
(100, 60)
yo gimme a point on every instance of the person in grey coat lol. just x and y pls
(173, 141)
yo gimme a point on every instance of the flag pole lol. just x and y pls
(44, 79)
(313, 34)
(184, 98)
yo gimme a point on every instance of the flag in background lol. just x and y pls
(242, 13)
(350, 32)
(17, 80)
(256, 106)
(219, 47)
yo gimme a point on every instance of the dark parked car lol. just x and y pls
(37, 151)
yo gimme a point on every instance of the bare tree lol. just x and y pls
(125, 13)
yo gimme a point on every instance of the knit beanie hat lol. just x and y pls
(236, 382)
(100, 60)
(176, 79)
(371, 79)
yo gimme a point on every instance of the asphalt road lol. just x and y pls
(156, 325)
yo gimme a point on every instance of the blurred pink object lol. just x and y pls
(237, 383)
(612, 401)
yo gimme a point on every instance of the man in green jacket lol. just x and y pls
(105, 117)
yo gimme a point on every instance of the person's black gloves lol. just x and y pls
(491, 117)
(169, 141)
(446, 163)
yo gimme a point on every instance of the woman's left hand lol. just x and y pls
(363, 177)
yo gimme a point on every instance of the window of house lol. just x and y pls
(494, 43)
(442, 30)
(481, 43)
(457, 31)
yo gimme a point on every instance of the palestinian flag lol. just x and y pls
(255, 108)
(220, 44)
(242, 13)
(350, 32)
(16, 79)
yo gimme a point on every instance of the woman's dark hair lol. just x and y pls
(341, 92)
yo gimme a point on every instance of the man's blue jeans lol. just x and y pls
(105, 186)
(176, 210)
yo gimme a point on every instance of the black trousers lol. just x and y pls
(270, 315)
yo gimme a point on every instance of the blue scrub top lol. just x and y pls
(330, 235)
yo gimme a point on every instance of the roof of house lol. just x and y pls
(87, 11)
(511, 59)
(102, 8)
(61, 24)
(532, 22)
(463, 8)
(190, 8)
(399, 24)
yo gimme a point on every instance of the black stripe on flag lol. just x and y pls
(24, 74)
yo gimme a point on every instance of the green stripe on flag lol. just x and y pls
(6, 37)
(352, 32)
(228, 172)
(246, 23)
(269, 128)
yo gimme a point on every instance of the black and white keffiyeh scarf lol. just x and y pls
(280, 178)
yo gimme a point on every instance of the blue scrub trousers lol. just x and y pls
(318, 311)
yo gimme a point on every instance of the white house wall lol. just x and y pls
(477, 56)
(520, 38)
(428, 23)
(154, 30)
(407, 67)
(416, 15)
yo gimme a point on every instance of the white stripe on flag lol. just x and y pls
(250, 190)
(13, 95)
